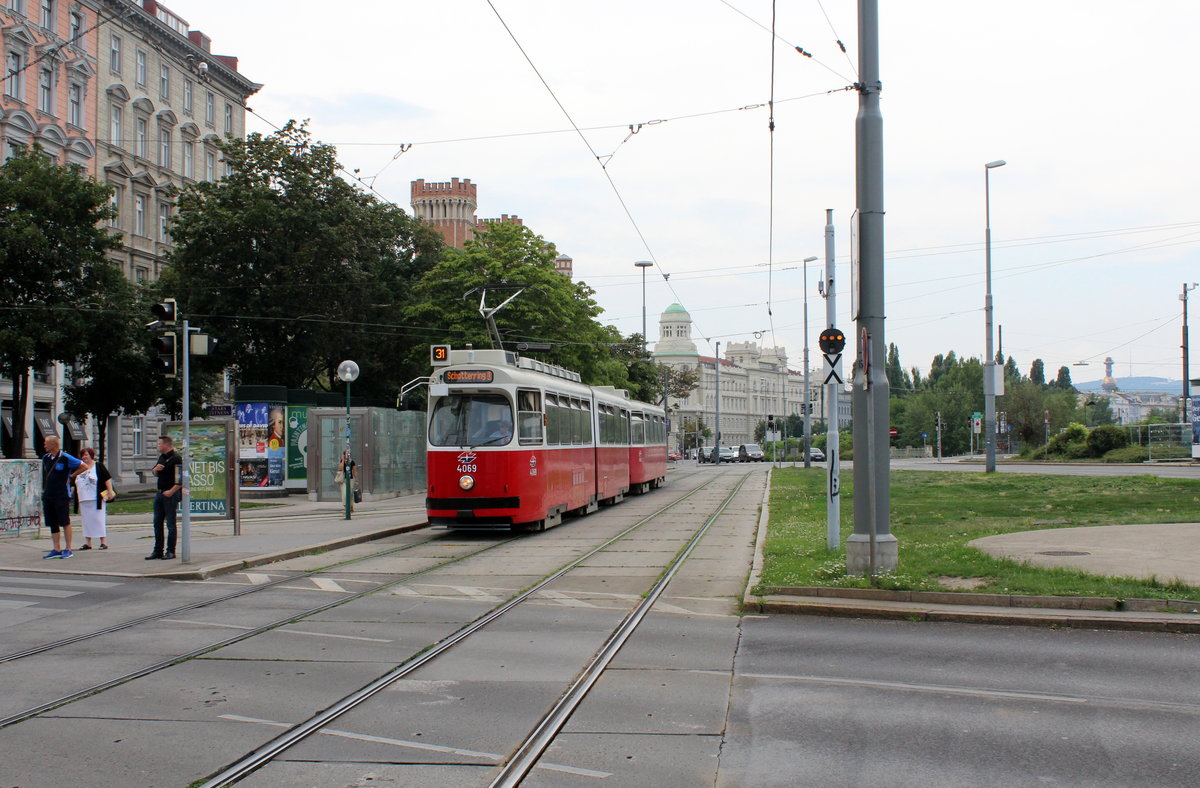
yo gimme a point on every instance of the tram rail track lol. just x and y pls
(534, 744)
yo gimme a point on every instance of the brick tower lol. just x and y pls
(449, 207)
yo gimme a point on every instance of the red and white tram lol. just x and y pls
(517, 442)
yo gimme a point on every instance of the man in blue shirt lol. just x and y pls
(56, 495)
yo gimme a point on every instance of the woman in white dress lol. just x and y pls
(94, 487)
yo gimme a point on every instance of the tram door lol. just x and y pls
(331, 442)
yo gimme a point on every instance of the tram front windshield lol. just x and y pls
(471, 420)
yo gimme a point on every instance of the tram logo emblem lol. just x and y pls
(466, 457)
(533, 465)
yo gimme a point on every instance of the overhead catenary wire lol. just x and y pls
(800, 50)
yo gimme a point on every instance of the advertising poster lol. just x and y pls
(297, 442)
(20, 496)
(207, 465)
(252, 444)
(276, 445)
(1194, 386)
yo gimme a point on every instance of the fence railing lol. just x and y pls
(1162, 441)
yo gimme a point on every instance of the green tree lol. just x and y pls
(898, 379)
(293, 269)
(445, 306)
(114, 366)
(1063, 381)
(1037, 372)
(53, 266)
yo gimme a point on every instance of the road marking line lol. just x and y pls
(50, 592)
(903, 685)
(205, 623)
(326, 584)
(15, 603)
(38, 581)
(331, 635)
(419, 745)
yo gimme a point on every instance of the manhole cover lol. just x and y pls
(1063, 552)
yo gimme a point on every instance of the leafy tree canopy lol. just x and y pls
(293, 269)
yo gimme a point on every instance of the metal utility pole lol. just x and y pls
(1183, 401)
(185, 471)
(872, 547)
(716, 458)
(833, 483)
(807, 414)
(989, 362)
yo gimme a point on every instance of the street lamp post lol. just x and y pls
(644, 264)
(989, 363)
(807, 415)
(1183, 403)
(347, 372)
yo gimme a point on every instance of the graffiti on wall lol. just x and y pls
(20, 496)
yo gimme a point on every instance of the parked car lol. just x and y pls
(728, 454)
(705, 454)
(674, 455)
(815, 454)
(750, 452)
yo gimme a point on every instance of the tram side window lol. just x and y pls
(577, 418)
(553, 420)
(586, 407)
(623, 434)
(638, 436)
(529, 416)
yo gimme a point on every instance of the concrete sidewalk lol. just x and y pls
(289, 527)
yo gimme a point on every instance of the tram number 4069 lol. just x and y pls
(468, 468)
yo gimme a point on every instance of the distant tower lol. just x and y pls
(565, 266)
(449, 207)
(1109, 383)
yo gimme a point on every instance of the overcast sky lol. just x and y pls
(1095, 218)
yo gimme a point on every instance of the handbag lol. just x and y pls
(338, 477)
(357, 495)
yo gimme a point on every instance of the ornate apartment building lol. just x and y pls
(755, 382)
(128, 91)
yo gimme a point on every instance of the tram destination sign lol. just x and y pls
(468, 376)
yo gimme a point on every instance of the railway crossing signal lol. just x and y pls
(832, 342)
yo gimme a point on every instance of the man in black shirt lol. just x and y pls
(166, 500)
(56, 495)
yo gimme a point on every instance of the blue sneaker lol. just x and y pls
(66, 554)
(53, 554)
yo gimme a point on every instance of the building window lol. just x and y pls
(139, 215)
(114, 54)
(139, 138)
(164, 82)
(17, 5)
(187, 95)
(164, 147)
(114, 126)
(139, 428)
(76, 29)
(75, 106)
(46, 91)
(141, 274)
(228, 118)
(208, 108)
(115, 202)
(47, 15)
(13, 84)
(164, 220)
(189, 164)
(210, 166)
(139, 71)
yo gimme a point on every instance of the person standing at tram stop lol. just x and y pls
(93, 490)
(345, 475)
(166, 499)
(56, 495)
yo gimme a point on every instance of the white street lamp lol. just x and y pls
(347, 372)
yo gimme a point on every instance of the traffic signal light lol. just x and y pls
(831, 341)
(166, 351)
(165, 312)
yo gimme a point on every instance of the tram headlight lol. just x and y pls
(466, 482)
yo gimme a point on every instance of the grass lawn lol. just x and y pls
(146, 505)
(935, 513)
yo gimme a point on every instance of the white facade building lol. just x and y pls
(755, 383)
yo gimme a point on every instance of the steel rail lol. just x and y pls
(264, 754)
(29, 652)
(526, 756)
(21, 716)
